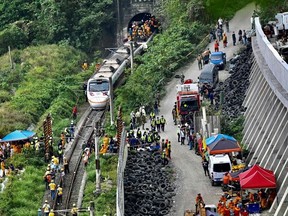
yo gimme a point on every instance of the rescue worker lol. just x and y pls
(62, 174)
(199, 60)
(46, 208)
(226, 211)
(149, 139)
(162, 122)
(244, 212)
(216, 46)
(174, 115)
(178, 133)
(51, 213)
(157, 138)
(164, 159)
(60, 154)
(158, 124)
(52, 187)
(32, 144)
(74, 112)
(156, 109)
(220, 208)
(152, 115)
(237, 200)
(55, 161)
(162, 144)
(182, 136)
(205, 167)
(37, 145)
(86, 156)
(63, 139)
(59, 195)
(66, 165)
(106, 140)
(74, 210)
(153, 124)
(231, 205)
(236, 210)
(67, 135)
(168, 150)
(72, 129)
(144, 138)
(223, 199)
(199, 198)
(138, 134)
(47, 178)
(225, 181)
(85, 65)
(251, 197)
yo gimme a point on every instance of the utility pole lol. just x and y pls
(91, 208)
(10, 57)
(132, 55)
(97, 158)
(119, 24)
(111, 101)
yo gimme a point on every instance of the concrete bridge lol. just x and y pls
(133, 10)
(266, 117)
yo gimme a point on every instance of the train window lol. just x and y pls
(99, 86)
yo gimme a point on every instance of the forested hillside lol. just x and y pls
(49, 41)
(81, 24)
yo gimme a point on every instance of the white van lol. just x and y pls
(218, 165)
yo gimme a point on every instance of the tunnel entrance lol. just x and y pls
(139, 18)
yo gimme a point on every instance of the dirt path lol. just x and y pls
(190, 177)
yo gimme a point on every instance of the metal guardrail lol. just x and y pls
(123, 154)
(276, 64)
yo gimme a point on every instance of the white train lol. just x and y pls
(97, 91)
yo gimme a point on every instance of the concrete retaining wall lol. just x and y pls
(266, 117)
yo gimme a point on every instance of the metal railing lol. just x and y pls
(276, 64)
(123, 154)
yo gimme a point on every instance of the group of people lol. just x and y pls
(185, 134)
(227, 207)
(222, 36)
(48, 211)
(149, 139)
(141, 30)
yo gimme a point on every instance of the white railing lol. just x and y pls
(123, 154)
(274, 61)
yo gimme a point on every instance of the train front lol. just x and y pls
(98, 93)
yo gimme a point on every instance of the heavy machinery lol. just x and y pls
(188, 99)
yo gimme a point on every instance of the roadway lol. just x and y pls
(190, 178)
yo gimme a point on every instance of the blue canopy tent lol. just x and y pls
(18, 135)
(217, 137)
(222, 143)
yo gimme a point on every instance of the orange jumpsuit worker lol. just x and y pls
(199, 199)
(226, 179)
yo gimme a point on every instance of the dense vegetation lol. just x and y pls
(81, 24)
(47, 78)
(44, 79)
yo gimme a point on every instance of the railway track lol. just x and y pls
(73, 180)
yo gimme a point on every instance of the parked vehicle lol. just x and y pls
(188, 98)
(209, 75)
(218, 59)
(218, 165)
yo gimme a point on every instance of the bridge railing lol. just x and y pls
(123, 154)
(274, 61)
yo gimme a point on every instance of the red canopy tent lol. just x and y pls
(257, 177)
(265, 172)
